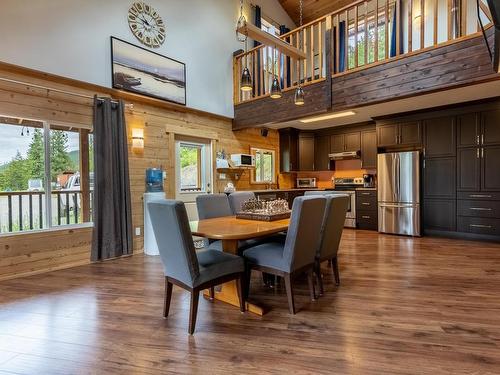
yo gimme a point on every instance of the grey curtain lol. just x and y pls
(112, 234)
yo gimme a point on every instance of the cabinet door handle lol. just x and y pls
(479, 196)
(480, 226)
(365, 217)
(477, 139)
(365, 193)
(482, 139)
(482, 153)
(480, 209)
(477, 153)
(365, 203)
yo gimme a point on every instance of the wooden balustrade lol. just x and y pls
(26, 210)
(357, 36)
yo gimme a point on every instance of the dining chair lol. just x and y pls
(182, 265)
(210, 206)
(297, 254)
(331, 233)
(237, 199)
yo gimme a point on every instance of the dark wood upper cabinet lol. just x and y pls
(369, 149)
(490, 176)
(387, 135)
(352, 141)
(321, 151)
(289, 149)
(410, 133)
(440, 137)
(439, 178)
(490, 134)
(469, 169)
(401, 134)
(337, 143)
(468, 129)
(306, 152)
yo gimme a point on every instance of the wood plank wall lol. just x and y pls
(30, 253)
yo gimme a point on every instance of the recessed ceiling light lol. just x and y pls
(328, 117)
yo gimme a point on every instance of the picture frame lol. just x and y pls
(144, 72)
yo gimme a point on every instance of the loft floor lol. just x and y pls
(405, 306)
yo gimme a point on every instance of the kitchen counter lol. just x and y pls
(363, 188)
(283, 190)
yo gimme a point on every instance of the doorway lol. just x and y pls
(193, 171)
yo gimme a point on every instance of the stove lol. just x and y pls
(348, 185)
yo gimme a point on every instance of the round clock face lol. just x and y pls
(146, 24)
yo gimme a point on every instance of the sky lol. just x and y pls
(11, 141)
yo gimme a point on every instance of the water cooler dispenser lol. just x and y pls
(154, 191)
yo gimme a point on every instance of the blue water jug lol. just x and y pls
(154, 180)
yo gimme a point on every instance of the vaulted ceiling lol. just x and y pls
(312, 9)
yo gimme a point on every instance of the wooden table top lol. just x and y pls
(231, 228)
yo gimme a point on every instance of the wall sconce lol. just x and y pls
(138, 138)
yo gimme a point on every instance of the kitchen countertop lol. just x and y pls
(367, 188)
(283, 190)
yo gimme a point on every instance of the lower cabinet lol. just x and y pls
(366, 209)
(479, 213)
(440, 214)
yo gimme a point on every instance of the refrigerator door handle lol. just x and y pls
(399, 205)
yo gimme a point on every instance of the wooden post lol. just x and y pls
(397, 28)
(422, 24)
(386, 27)
(436, 9)
(375, 58)
(356, 36)
(366, 33)
(410, 25)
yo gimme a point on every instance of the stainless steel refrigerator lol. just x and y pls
(398, 177)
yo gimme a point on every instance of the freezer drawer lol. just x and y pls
(399, 219)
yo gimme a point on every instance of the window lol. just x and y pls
(42, 184)
(264, 166)
(191, 167)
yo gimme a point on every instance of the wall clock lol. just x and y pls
(146, 24)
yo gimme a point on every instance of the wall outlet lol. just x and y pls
(138, 231)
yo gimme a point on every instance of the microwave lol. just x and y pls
(243, 160)
(306, 182)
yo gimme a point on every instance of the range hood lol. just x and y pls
(345, 155)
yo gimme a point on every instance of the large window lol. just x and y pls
(264, 166)
(42, 182)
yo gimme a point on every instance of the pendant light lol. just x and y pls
(246, 83)
(299, 92)
(276, 85)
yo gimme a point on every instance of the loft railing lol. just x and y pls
(26, 210)
(358, 36)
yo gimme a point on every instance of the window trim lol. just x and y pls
(254, 151)
(201, 171)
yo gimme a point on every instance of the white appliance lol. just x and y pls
(306, 182)
(150, 246)
(243, 160)
(348, 185)
(399, 193)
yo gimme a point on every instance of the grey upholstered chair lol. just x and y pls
(237, 198)
(297, 254)
(331, 233)
(182, 265)
(210, 206)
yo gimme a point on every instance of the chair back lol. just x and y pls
(213, 205)
(237, 198)
(333, 225)
(174, 239)
(320, 192)
(303, 236)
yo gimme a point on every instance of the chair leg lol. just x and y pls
(168, 297)
(239, 285)
(212, 293)
(335, 268)
(246, 285)
(310, 280)
(195, 295)
(289, 293)
(317, 270)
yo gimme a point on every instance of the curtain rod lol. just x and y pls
(128, 105)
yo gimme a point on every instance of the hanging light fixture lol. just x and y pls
(246, 83)
(276, 85)
(299, 92)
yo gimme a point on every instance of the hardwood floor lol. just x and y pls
(404, 306)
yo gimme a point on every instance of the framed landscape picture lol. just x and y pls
(144, 72)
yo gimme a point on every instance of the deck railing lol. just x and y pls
(358, 36)
(26, 210)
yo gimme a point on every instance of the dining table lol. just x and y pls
(230, 230)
